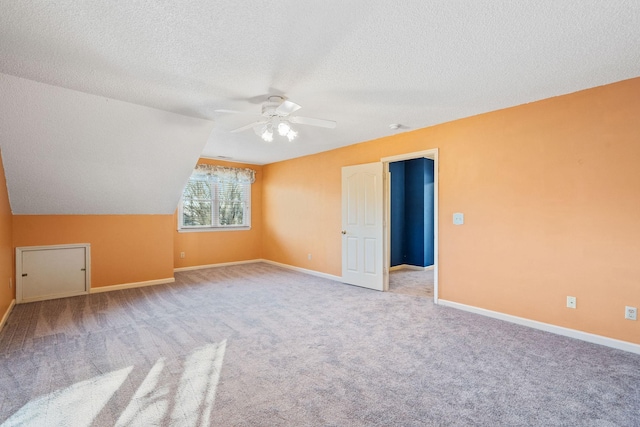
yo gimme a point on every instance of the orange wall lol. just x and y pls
(6, 251)
(137, 248)
(124, 248)
(204, 248)
(301, 210)
(551, 196)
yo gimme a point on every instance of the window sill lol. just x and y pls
(209, 229)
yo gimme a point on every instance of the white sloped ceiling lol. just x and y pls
(68, 152)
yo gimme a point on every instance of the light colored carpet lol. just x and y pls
(256, 345)
(412, 282)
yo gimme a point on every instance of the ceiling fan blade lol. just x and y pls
(287, 107)
(249, 126)
(330, 124)
(234, 112)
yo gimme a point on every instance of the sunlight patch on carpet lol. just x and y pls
(190, 400)
(149, 402)
(197, 389)
(164, 397)
(76, 405)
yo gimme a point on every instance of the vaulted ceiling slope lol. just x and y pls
(68, 152)
(363, 64)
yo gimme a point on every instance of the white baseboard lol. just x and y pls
(266, 261)
(7, 313)
(132, 285)
(559, 330)
(304, 270)
(50, 297)
(222, 264)
(410, 267)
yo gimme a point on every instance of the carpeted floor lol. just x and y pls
(256, 345)
(412, 282)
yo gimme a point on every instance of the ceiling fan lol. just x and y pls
(276, 117)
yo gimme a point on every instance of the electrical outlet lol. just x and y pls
(309, 256)
(571, 302)
(181, 254)
(630, 313)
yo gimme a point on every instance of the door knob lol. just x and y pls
(344, 231)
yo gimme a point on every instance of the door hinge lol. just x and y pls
(83, 269)
(24, 274)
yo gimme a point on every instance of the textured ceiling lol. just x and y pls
(363, 64)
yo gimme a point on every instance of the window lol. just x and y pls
(216, 198)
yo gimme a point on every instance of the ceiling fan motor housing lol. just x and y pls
(269, 107)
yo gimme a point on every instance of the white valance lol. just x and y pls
(223, 173)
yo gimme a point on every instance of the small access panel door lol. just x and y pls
(51, 272)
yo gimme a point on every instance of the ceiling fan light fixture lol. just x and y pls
(276, 117)
(284, 128)
(267, 135)
(292, 134)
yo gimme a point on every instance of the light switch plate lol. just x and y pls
(458, 218)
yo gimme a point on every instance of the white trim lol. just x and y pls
(213, 229)
(222, 264)
(429, 154)
(304, 270)
(436, 223)
(132, 285)
(40, 248)
(50, 297)
(7, 313)
(411, 267)
(266, 261)
(559, 330)
(229, 160)
(386, 224)
(433, 155)
(87, 270)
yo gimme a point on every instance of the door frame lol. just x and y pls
(429, 154)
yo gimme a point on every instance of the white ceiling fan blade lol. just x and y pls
(287, 107)
(330, 124)
(249, 126)
(234, 112)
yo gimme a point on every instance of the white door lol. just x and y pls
(362, 231)
(52, 273)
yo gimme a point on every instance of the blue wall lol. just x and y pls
(397, 213)
(412, 227)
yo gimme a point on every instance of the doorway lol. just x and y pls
(411, 237)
